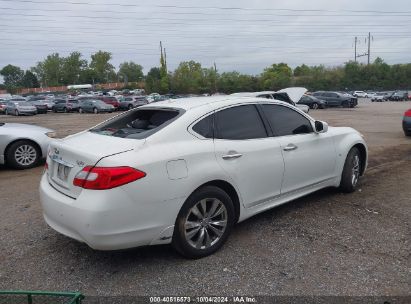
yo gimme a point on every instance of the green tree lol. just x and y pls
(29, 80)
(276, 76)
(132, 72)
(12, 76)
(72, 68)
(188, 78)
(49, 71)
(153, 80)
(103, 69)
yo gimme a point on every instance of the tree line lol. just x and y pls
(191, 78)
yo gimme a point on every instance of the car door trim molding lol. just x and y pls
(260, 202)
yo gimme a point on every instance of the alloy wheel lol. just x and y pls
(205, 223)
(25, 155)
(355, 172)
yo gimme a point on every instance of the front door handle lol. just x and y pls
(232, 155)
(290, 147)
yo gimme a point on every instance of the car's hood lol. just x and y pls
(295, 93)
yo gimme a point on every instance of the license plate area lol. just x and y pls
(62, 172)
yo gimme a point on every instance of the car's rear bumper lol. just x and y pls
(104, 220)
(22, 112)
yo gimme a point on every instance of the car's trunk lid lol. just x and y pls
(69, 156)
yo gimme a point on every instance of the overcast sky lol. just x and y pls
(246, 36)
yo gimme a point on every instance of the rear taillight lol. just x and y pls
(100, 178)
(407, 113)
(46, 166)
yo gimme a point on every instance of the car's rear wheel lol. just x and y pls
(23, 154)
(204, 222)
(351, 171)
(314, 106)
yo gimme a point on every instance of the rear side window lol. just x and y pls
(286, 121)
(240, 122)
(205, 127)
(138, 124)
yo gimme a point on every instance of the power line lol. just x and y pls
(210, 7)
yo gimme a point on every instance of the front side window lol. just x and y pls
(286, 121)
(240, 122)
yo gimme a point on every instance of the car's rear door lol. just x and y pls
(309, 157)
(251, 158)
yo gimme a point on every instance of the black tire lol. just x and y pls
(130, 106)
(95, 110)
(348, 184)
(345, 104)
(181, 244)
(314, 106)
(11, 155)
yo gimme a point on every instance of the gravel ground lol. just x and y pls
(324, 244)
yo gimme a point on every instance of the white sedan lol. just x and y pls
(185, 171)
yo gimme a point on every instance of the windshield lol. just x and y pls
(138, 124)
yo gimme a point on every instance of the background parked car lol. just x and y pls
(95, 106)
(66, 106)
(23, 146)
(3, 105)
(41, 107)
(336, 99)
(20, 108)
(399, 96)
(406, 123)
(313, 102)
(131, 102)
(378, 97)
(360, 94)
(110, 100)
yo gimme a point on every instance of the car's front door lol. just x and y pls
(309, 157)
(251, 158)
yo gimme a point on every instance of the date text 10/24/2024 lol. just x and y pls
(202, 299)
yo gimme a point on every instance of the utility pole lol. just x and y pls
(355, 49)
(369, 43)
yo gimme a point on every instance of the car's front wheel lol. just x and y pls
(351, 171)
(23, 154)
(204, 222)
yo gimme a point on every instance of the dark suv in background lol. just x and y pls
(62, 105)
(336, 99)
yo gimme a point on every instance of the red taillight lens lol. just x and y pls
(407, 113)
(46, 166)
(101, 178)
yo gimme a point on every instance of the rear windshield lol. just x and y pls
(138, 124)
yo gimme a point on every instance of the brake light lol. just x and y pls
(407, 113)
(101, 178)
(46, 166)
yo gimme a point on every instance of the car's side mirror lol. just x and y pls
(320, 126)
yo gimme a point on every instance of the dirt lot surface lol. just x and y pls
(327, 243)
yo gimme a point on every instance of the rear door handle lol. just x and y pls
(232, 155)
(290, 147)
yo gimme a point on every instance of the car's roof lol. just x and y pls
(214, 102)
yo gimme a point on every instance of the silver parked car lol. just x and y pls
(22, 146)
(20, 107)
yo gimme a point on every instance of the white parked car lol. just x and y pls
(22, 146)
(360, 94)
(185, 171)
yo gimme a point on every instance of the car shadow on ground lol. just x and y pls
(165, 254)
